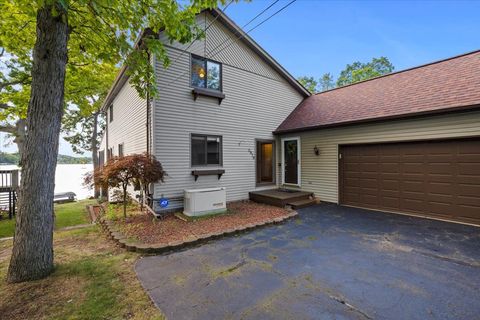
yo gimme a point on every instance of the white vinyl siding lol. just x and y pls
(257, 100)
(320, 173)
(129, 122)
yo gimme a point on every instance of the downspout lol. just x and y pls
(148, 105)
(106, 136)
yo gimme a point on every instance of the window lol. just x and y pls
(206, 150)
(101, 158)
(120, 150)
(206, 73)
(109, 153)
(110, 111)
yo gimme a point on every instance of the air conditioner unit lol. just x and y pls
(200, 202)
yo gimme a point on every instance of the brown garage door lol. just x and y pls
(435, 178)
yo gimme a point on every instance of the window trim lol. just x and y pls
(274, 161)
(120, 149)
(205, 60)
(206, 136)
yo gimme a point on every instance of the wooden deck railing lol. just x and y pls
(9, 179)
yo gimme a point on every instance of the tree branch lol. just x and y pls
(8, 128)
(23, 81)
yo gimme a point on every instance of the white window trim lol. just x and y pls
(299, 152)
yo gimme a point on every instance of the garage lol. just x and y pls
(436, 178)
(409, 141)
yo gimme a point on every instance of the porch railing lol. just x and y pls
(9, 182)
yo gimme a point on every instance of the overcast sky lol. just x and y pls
(314, 37)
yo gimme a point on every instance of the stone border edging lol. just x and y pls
(144, 248)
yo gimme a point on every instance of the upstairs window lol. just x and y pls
(206, 150)
(206, 73)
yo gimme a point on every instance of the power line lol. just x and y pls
(243, 27)
(255, 27)
(242, 36)
(198, 36)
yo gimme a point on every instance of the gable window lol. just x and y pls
(206, 150)
(206, 73)
(120, 150)
(110, 112)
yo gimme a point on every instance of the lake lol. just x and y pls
(68, 177)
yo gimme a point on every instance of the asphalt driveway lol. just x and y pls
(331, 262)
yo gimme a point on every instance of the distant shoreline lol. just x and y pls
(13, 158)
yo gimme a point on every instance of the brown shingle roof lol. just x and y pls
(439, 86)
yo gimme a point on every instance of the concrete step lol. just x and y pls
(302, 203)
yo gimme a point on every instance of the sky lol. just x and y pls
(315, 37)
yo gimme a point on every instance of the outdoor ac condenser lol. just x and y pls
(201, 202)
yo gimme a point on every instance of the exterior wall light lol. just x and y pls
(316, 150)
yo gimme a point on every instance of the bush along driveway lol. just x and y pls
(329, 262)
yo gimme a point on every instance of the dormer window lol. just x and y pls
(206, 74)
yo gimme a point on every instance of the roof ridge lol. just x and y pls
(403, 70)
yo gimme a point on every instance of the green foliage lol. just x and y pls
(103, 35)
(359, 71)
(309, 83)
(14, 158)
(355, 72)
(326, 82)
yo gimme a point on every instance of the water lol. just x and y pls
(68, 177)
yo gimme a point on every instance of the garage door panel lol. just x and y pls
(469, 213)
(392, 168)
(439, 188)
(468, 200)
(440, 209)
(436, 178)
(390, 202)
(472, 190)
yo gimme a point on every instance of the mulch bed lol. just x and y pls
(143, 227)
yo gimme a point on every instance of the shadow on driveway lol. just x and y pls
(331, 262)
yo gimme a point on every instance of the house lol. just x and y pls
(212, 122)
(229, 115)
(407, 142)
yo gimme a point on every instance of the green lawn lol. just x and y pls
(66, 214)
(93, 279)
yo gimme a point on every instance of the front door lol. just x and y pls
(265, 162)
(291, 160)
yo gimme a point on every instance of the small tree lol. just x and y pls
(118, 172)
(150, 171)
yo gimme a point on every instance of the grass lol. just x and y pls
(66, 215)
(93, 279)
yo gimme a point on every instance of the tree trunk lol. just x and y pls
(32, 255)
(94, 144)
(125, 202)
